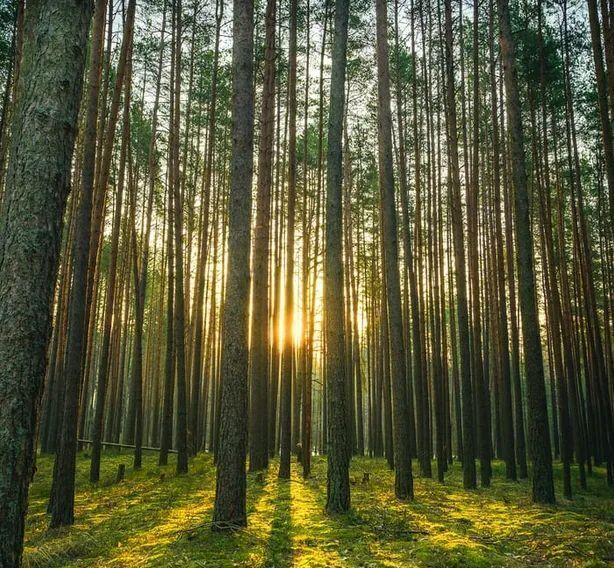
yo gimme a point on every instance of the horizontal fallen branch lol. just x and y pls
(128, 446)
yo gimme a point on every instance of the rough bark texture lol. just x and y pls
(63, 489)
(539, 437)
(230, 496)
(338, 482)
(37, 185)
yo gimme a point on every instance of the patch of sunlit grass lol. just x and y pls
(152, 519)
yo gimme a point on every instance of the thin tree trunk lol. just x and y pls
(123, 79)
(63, 488)
(469, 473)
(105, 350)
(403, 474)
(141, 274)
(197, 362)
(259, 369)
(287, 358)
(175, 188)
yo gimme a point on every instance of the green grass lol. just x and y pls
(154, 520)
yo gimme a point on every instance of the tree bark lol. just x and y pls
(338, 482)
(543, 485)
(63, 488)
(230, 496)
(37, 185)
(403, 474)
(507, 417)
(469, 473)
(123, 79)
(175, 187)
(287, 358)
(259, 369)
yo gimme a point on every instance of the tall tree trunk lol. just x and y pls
(175, 188)
(403, 474)
(420, 383)
(469, 473)
(166, 434)
(506, 414)
(521, 453)
(135, 410)
(104, 365)
(338, 486)
(543, 485)
(123, 78)
(406, 226)
(230, 496)
(198, 322)
(480, 381)
(259, 369)
(37, 185)
(287, 357)
(63, 488)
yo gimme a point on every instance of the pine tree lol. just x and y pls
(230, 496)
(37, 185)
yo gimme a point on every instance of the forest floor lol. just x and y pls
(151, 519)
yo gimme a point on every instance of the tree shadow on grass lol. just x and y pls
(265, 542)
(120, 521)
(344, 539)
(484, 527)
(196, 544)
(278, 549)
(147, 520)
(107, 513)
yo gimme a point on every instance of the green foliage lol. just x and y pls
(7, 27)
(140, 131)
(152, 521)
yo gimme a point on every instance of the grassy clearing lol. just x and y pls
(154, 520)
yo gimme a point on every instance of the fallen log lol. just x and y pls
(128, 446)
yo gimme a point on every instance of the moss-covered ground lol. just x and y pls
(154, 518)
